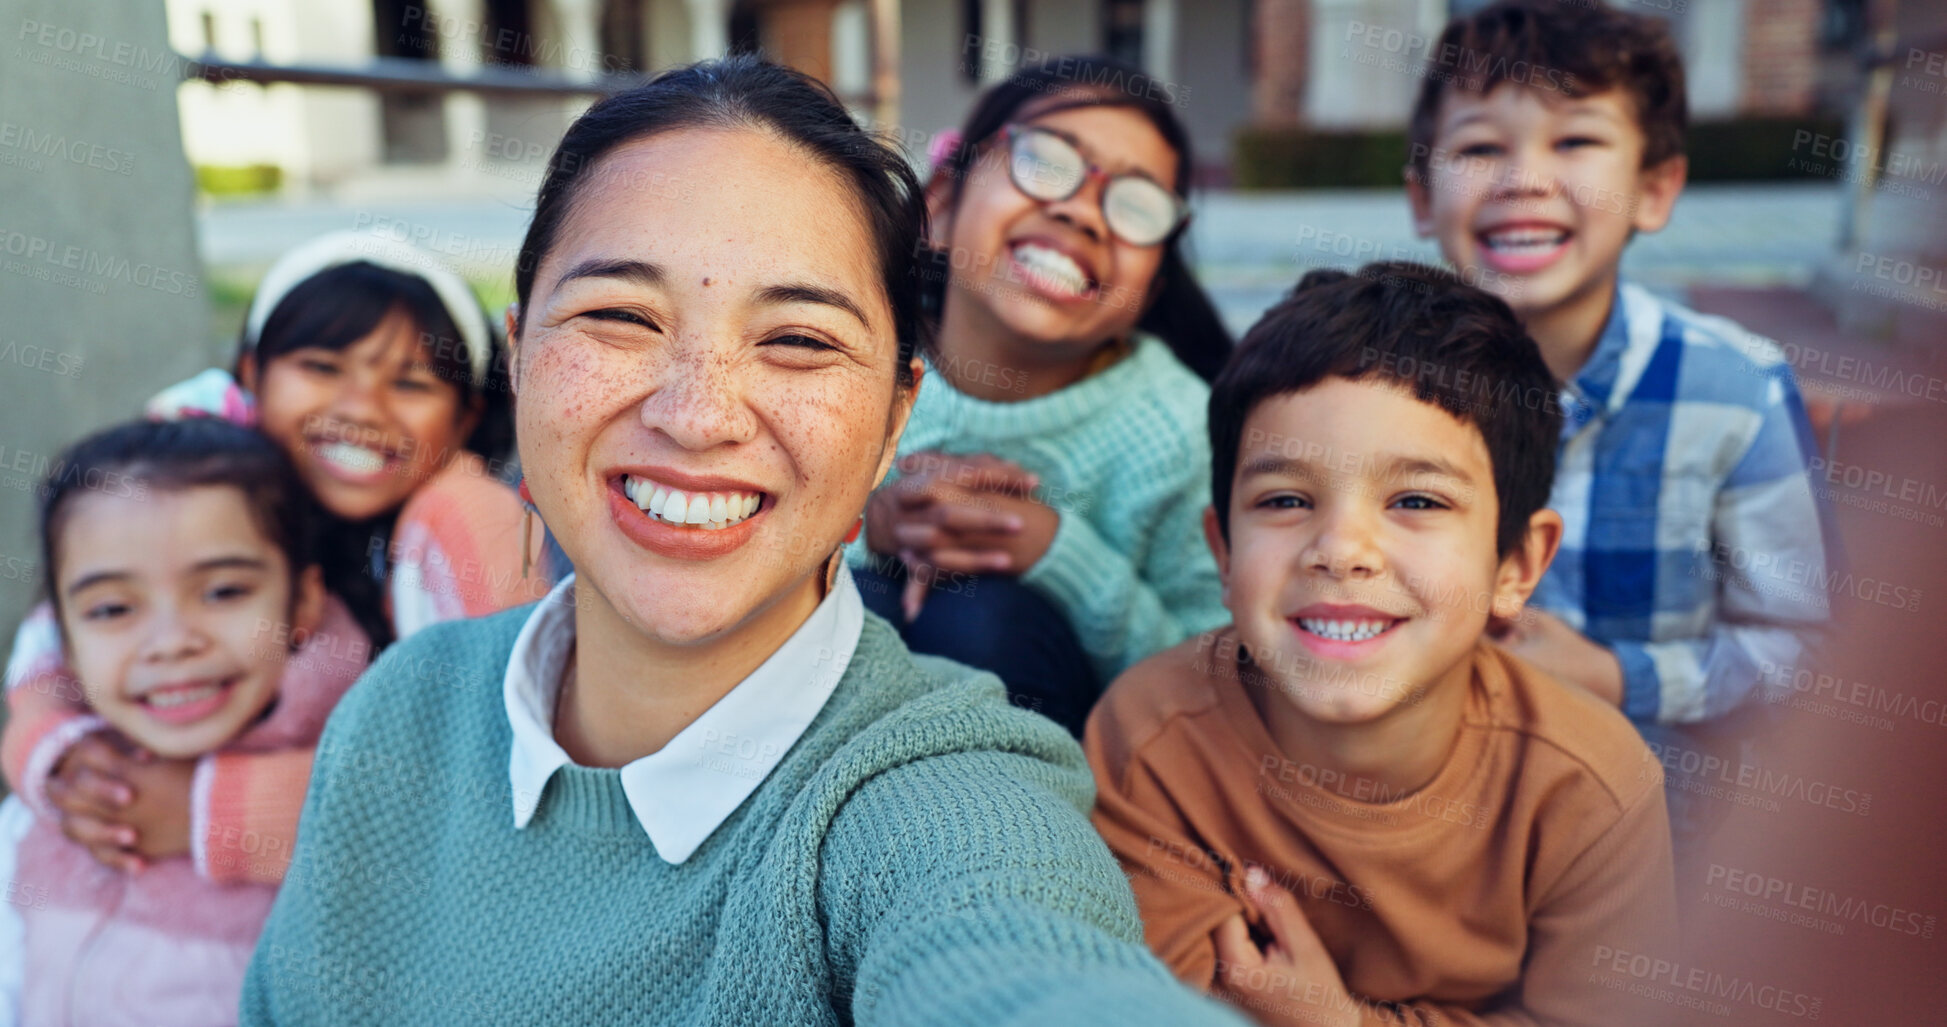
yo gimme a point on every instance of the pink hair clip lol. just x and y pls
(944, 146)
(212, 393)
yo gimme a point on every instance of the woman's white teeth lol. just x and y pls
(1051, 267)
(354, 458)
(1525, 240)
(710, 511)
(1344, 630)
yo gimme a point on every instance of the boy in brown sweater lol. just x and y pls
(1350, 806)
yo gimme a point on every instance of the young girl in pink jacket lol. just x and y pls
(193, 616)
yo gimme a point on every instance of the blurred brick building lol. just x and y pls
(1338, 65)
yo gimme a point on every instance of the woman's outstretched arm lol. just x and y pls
(970, 888)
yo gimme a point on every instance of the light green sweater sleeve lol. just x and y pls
(1124, 606)
(980, 918)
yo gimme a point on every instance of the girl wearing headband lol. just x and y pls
(372, 367)
(1047, 523)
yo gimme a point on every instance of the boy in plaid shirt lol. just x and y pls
(1693, 567)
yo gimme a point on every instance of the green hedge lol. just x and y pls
(1761, 149)
(1744, 150)
(1294, 158)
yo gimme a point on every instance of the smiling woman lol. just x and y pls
(698, 782)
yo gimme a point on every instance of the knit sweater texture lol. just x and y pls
(1124, 457)
(921, 855)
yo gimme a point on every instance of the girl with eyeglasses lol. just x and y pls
(1044, 523)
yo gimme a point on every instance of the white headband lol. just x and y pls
(328, 251)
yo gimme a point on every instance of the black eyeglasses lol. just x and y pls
(1046, 166)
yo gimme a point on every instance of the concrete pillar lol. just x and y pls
(709, 28)
(466, 113)
(1280, 38)
(580, 25)
(798, 33)
(1159, 39)
(997, 25)
(104, 293)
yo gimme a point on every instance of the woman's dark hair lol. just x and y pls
(342, 304)
(1417, 328)
(142, 457)
(748, 92)
(1180, 313)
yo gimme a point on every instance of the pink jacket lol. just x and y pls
(455, 553)
(167, 945)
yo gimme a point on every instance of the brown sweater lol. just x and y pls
(1490, 895)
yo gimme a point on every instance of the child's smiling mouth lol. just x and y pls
(1055, 272)
(189, 701)
(353, 461)
(1523, 247)
(1346, 630)
(1336, 631)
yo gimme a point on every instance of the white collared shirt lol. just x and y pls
(684, 791)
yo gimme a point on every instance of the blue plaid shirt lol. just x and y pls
(1695, 547)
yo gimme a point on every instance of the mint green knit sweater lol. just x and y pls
(1124, 457)
(921, 855)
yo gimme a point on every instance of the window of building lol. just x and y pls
(1122, 30)
(624, 46)
(973, 31)
(412, 125)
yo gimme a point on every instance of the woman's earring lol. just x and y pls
(527, 528)
(853, 535)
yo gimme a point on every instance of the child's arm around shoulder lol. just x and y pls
(46, 709)
(456, 549)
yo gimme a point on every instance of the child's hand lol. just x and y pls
(91, 791)
(958, 514)
(978, 472)
(122, 803)
(160, 812)
(1547, 641)
(1292, 978)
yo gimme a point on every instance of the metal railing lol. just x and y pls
(405, 75)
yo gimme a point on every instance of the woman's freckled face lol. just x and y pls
(736, 330)
(993, 216)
